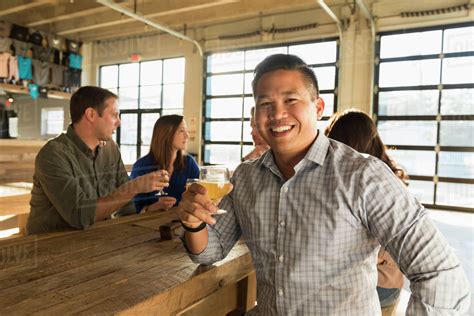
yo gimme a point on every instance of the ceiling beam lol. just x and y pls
(26, 6)
(122, 21)
(196, 20)
(67, 10)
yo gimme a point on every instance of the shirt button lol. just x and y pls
(280, 258)
(285, 189)
(280, 292)
(282, 223)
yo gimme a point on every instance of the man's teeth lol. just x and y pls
(281, 128)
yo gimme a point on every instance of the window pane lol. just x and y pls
(246, 149)
(412, 44)
(247, 130)
(457, 101)
(224, 108)
(248, 83)
(326, 77)
(172, 111)
(415, 162)
(128, 129)
(173, 70)
(408, 132)
(223, 131)
(128, 75)
(458, 70)
(253, 57)
(173, 95)
(113, 90)
(422, 190)
(150, 72)
(458, 40)
(225, 84)
(144, 150)
(422, 102)
(249, 102)
(455, 194)
(52, 121)
(409, 73)
(457, 133)
(456, 164)
(128, 98)
(222, 154)
(316, 53)
(225, 62)
(129, 154)
(148, 122)
(322, 125)
(109, 76)
(328, 103)
(150, 97)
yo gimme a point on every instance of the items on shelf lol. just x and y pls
(34, 57)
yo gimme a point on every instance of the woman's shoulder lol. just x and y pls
(143, 165)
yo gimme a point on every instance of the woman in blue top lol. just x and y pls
(169, 140)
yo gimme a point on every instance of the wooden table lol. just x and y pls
(120, 266)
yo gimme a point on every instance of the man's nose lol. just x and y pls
(278, 111)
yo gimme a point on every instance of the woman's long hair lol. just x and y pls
(162, 142)
(357, 130)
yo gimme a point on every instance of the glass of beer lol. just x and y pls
(216, 180)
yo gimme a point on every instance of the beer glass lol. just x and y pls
(216, 180)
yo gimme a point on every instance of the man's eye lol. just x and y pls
(265, 104)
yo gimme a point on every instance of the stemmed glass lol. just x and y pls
(217, 182)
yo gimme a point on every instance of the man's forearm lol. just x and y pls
(196, 242)
(115, 200)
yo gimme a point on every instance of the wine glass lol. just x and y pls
(217, 182)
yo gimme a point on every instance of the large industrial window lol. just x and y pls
(424, 103)
(228, 95)
(146, 91)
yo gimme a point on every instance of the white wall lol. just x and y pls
(356, 49)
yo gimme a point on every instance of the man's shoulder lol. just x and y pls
(342, 154)
(56, 146)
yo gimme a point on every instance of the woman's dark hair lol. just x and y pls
(162, 142)
(357, 130)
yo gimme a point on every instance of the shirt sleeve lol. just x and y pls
(60, 185)
(222, 236)
(122, 178)
(400, 223)
(143, 199)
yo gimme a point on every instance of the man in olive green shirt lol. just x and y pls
(79, 176)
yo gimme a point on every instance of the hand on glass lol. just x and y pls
(163, 203)
(196, 206)
(153, 181)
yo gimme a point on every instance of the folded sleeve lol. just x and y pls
(400, 223)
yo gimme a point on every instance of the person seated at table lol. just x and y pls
(168, 143)
(260, 144)
(357, 130)
(79, 176)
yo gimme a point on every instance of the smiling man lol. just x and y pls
(79, 176)
(314, 213)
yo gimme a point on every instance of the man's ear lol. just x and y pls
(90, 114)
(319, 107)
